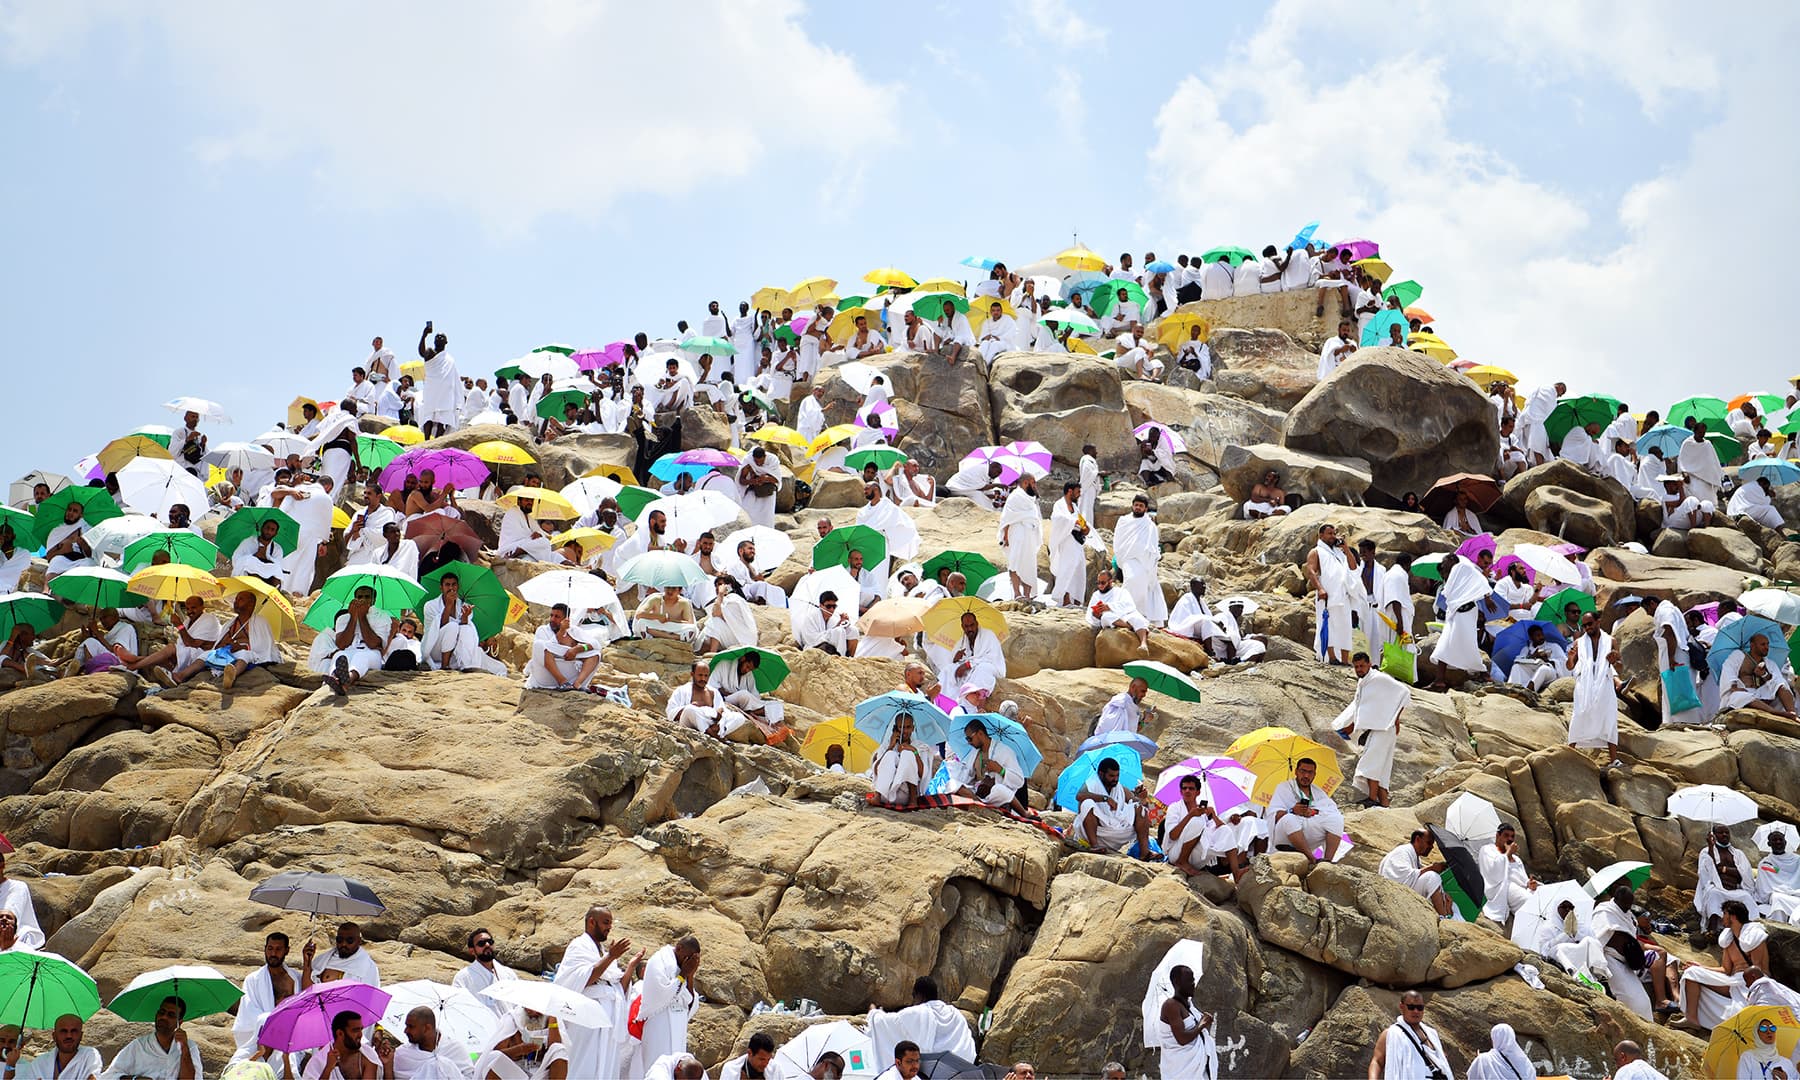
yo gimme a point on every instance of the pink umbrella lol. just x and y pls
(1710, 612)
(88, 468)
(798, 323)
(1223, 782)
(709, 457)
(303, 1022)
(594, 359)
(1359, 248)
(1475, 545)
(880, 415)
(1505, 563)
(1567, 550)
(1170, 441)
(458, 468)
(1035, 452)
(1462, 365)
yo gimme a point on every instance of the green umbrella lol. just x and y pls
(974, 568)
(394, 593)
(884, 457)
(848, 302)
(1710, 409)
(551, 408)
(1430, 567)
(1233, 255)
(1580, 412)
(715, 346)
(633, 499)
(1408, 292)
(786, 334)
(202, 990)
(761, 401)
(566, 350)
(834, 548)
(1767, 403)
(1551, 610)
(375, 451)
(248, 522)
(36, 988)
(1164, 679)
(183, 547)
(480, 588)
(1108, 294)
(23, 526)
(930, 307)
(96, 586)
(1073, 318)
(41, 612)
(1726, 446)
(510, 371)
(96, 506)
(769, 673)
(158, 437)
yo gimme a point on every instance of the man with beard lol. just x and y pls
(1021, 535)
(483, 970)
(347, 1057)
(1137, 547)
(16, 898)
(350, 960)
(164, 1052)
(590, 967)
(266, 987)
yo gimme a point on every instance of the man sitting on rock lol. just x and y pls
(1108, 817)
(1406, 864)
(1267, 499)
(1539, 664)
(1561, 941)
(68, 1059)
(1723, 875)
(736, 684)
(1111, 608)
(1710, 995)
(991, 773)
(902, 768)
(1778, 879)
(1303, 817)
(1509, 886)
(559, 659)
(822, 626)
(348, 961)
(1748, 680)
(696, 704)
(1125, 711)
(1682, 511)
(165, 1051)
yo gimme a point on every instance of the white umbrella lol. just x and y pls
(1545, 561)
(151, 486)
(1250, 606)
(687, 516)
(1186, 953)
(858, 375)
(1528, 921)
(1713, 804)
(240, 455)
(1073, 318)
(21, 491)
(1763, 832)
(208, 410)
(1472, 819)
(661, 570)
(835, 579)
(587, 493)
(1047, 287)
(112, 536)
(1777, 604)
(153, 429)
(772, 546)
(799, 1054)
(580, 590)
(549, 999)
(281, 442)
(461, 1016)
(556, 365)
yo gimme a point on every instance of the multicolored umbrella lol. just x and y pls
(1164, 679)
(1551, 610)
(771, 669)
(943, 622)
(1272, 762)
(1223, 782)
(882, 457)
(1165, 436)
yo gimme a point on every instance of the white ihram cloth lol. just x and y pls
(1068, 558)
(1403, 1060)
(1716, 1008)
(460, 639)
(1699, 463)
(1404, 866)
(258, 1002)
(1120, 714)
(1329, 821)
(517, 539)
(1116, 825)
(246, 563)
(476, 977)
(1021, 533)
(1508, 885)
(1375, 710)
(895, 767)
(1089, 470)
(1710, 892)
(668, 1003)
(1459, 647)
(1624, 983)
(1198, 1060)
(1752, 502)
(935, 1026)
(1332, 618)
(359, 966)
(682, 710)
(16, 898)
(1137, 547)
(1119, 607)
(1595, 719)
(592, 1051)
(441, 395)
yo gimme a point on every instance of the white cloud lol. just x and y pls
(516, 111)
(1057, 21)
(1274, 136)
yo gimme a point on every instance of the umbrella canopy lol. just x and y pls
(1463, 884)
(588, 539)
(1356, 249)
(688, 515)
(536, 365)
(1164, 679)
(432, 531)
(831, 436)
(799, 1054)
(1378, 332)
(875, 717)
(458, 468)
(1008, 733)
(463, 1018)
(633, 501)
(661, 570)
(893, 278)
(1176, 329)
(1513, 640)
(1549, 562)
(1224, 783)
(96, 586)
(1740, 1033)
(1080, 258)
(37, 987)
(554, 405)
(712, 346)
(1580, 412)
(36, 610)
(578, 589)
(303, 1022)
(25, 528)
(375, 451)
(1165, 436)
(772, 299)
(779, 434)
(859, 376)
(772, 546)
(239, 455)
(1078, 772)
(116, 454)
(1472, 819)
(270, 603)
(1488, 373)
(1665, 438)
(248, 522)
(1187, 953)
(479, 588)
(1141, 745)
(319, 894)
(1774, 470)
(1407, 292)
(1472, 547)
(1761, 836)
(546, 503)
(834, 548)
(1107, 296)
(812, 291)
(404, 434)
(771, 669)
(1233, 255)
(1712, 410)
(670, 466)
(1377, 267)
(930, 307)
(1483, 493)
(173, 581)
(1073, 319)
(1430, 566)
(1711, 803)
(1272, 762)
(1737, 636)
(859, 749)
(20, 492)
(943, 621)
(1631, 872)
(96, 506)
(1529, 920)
(587, 493)
(395, 593)
(552, 1000)
(883, 457)
(895, 617)
(1551, 610)
(202, 990)
(1414, 312)
(1778, 604)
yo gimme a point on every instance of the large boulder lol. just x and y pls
(1209, 423)
(1618, 571)
(943, 409)
(1290, 537)
(1058, 638)
(1065, 401)
(1264, 366)
(1570, 515)
(1564, 474)
(1413, 419)
(1725, 547)
(39, 724)
(1315, 478)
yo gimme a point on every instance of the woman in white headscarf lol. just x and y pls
(1506, 1061)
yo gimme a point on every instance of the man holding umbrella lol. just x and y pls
(992, 773)
(165, 1051)
(452, 643)
(1108, 816)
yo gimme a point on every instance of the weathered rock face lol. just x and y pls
(1263, 366)
(1618, 571)
(1295, 314)
(943, 409)
(1064, 401)
(1572, 478)
(1410, 417)
(559, 463)
(1570, 515)
(1314, 477)
(1209, 423)
(1289, 538)
(1725, 547)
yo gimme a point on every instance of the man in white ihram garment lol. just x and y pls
(1329, 567)
(1540, 663)
(1109, 818)
(1503, 875)
(522, 538)
(591, 967)
(1137, 548)
(1111, 608)
(1778, 878)
(973, 659)
(1722, 873)
(696, 705)
(1406, 864)
(1699, 465)
(1069, 539)
(735, 683)
(356, 643)
(1531, 422)
(261, 994)
(930, 1022)
(1410, 1049)
(483, 970)
(1752, 500)
(1303, 816)
(436, 413)
(1374, 714)
(759, 480)
(884, 515)
(1339, 349)
(1125, 710)
(1021, 534)
(309, 504)
(16, 898)
(1459, 647)
(1180, 1032)
(1671, 637)
(452, 643)
(998, 333)
(669, 1000)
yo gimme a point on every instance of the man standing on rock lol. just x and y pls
(668, 1000)
(483, 970)
(1410, 1048)
(1125, 712)
(1328, 569)
(1374, 713)
(1137, 548)
(1183, 1033)
(1022, 534)
(1088, 472)
(590, 967)
(1068, 548)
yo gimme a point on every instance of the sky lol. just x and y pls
(229, 200)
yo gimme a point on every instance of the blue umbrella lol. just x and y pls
(1305, 235)
(875, 717)
(1664, 437)
(1376, 333)
(1513, 640)
(1736, 638)
(980, 264)
(1083, 281)
(1079, 771)
(1009, 733)
(1131, 739)
(666, 468)
(1160, 266)
(1775, 470)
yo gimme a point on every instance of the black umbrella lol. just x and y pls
(1464, 881)
(947, 1066)
(318, 894)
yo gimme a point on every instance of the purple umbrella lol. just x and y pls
(1567, 550)
(594, 359)
(1505, 563)
(1035, 452)
(882, 416)
(1171, 442)
(1472, 547)
(1223, 782)
(709, 457)
(798, 324)
(459, 468)
(1359, 248)
(303, 1022)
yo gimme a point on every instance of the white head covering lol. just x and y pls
(1506, 1060)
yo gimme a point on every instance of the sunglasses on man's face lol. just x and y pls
(1413, 1008)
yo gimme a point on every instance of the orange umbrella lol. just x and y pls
(1425, 317)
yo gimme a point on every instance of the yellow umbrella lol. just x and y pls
(117, 454)
(270, 604)
(415, 368)
(214, 476)
(943, 620)
(1377, 268)
(982, 305)
(936, 285)
(515, 609)
(830, 437)
(1488, 373)
(859, 749)
(590, 539)
(780, 434)
(889, 276)
(339, 518)
(496, 452)
(173, 581)
(1272, 761)
(1244, 743)
(771, 299)
(1076, 345)
(404, 434)
(296, 418)
(545, 503)
(1175, 330)
(843, 324)
(1732, 1038)
(812, 290)
(1431, 345)
(1080, 258)
(614, 472)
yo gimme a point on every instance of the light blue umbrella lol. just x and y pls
(1131, 740)
(1304, 236)
(1376, 333)
(980, 263)
(661, 570)
(1736, 638)
(875, 717)
(1666, 438)
(1076, 775)
(666, 468)
(1774, 470)
(1009, 733)
(1160, 266)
